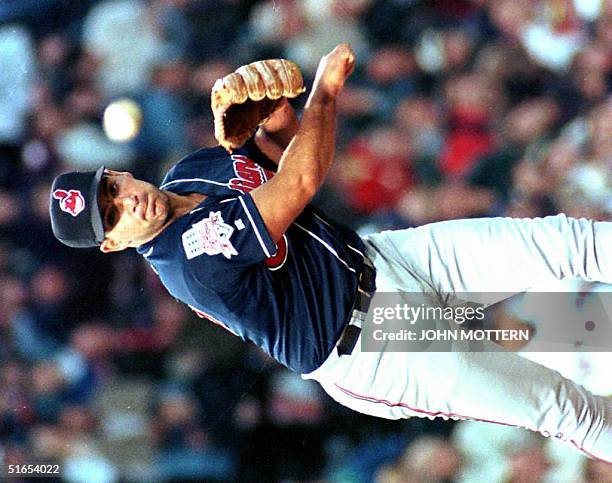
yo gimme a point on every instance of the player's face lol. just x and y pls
(133, 211)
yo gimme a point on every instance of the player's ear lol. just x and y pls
(109, 245)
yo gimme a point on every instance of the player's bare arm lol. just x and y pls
(306, 161)
(275, 134)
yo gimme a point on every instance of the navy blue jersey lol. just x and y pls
(292, 300)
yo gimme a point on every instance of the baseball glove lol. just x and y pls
(244, 99)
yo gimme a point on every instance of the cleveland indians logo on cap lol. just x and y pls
(70, 201)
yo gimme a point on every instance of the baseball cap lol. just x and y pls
(73, 205)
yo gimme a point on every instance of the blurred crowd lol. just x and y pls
(457, 108)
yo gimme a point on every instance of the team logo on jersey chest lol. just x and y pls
(210, 236)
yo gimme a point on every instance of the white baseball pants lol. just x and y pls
(480, 255)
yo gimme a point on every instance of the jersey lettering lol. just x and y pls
(277, 261)
(249, 175)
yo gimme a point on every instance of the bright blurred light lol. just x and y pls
(588, 9)
(122, 120)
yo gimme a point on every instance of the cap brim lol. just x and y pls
(96, 217)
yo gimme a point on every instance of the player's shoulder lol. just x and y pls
(192, 164)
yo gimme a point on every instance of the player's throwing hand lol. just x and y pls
(334, 68)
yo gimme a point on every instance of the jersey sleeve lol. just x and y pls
(225, 235)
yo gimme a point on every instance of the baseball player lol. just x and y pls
(234, 237)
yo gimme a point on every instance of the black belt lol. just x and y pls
(365, 291)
